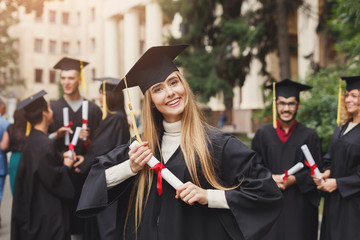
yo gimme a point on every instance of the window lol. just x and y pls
(65, 48)
(52, 46)
(78, 18)
(78, 47)
(52, 16)
(38, 45)
(93, 44)
(65, 18)
(92, 14)
(93, 73)
(52, 76)
(38, 75)
(38, 18)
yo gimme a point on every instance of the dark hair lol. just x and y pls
(296, 97)
(33, 113)
(19, 119)
(115, 100)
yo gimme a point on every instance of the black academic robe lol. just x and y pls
(299, 216)
(341, 218)
(112, 131)
(94, 118)
(42, 186)
(254, 205)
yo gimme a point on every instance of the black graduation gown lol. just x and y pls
(94, 118)
(254, 205)
(341, 218)
(112, 131)
(42, 186)
(299, 216)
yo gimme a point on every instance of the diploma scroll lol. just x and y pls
(294, 169)
(311, 161)
(66, 124)
(85, 111)
(74, 140)
(166, 174)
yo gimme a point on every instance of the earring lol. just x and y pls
(152, 105)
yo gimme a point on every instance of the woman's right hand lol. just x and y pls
(139, 155)
(69, 160)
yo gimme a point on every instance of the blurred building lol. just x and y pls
(112, 35)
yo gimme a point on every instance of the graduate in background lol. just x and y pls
(42, 182)
(225, 195)
(341, 218)
(279, 150)
(71, 78)
(112, 131)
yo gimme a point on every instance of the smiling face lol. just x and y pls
(169, 97)
(352, 101)
(287, 108)
(70, 81)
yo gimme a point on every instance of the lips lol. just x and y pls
(173, 102)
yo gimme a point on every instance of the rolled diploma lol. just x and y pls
(75, 138)
(85, 111)
(311, 161)
(66, 123)
(166, 174)
(294, 169)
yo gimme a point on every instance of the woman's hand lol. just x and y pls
(329, 185)
(324, 176)
(69, 160)
(79, 160)
(190, 193)
(84, 133)
(61, 132)
(139, 155)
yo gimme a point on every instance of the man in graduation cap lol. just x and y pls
(71, 78)
(278, 145)
(43, 183)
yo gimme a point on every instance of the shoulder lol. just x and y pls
(58, 104)
(220, 140)
(92, 105)
(305, 130)
(265, 129)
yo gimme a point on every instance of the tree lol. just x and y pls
(224, 42)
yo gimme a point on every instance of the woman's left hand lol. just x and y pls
(190, 193)
(329, 185)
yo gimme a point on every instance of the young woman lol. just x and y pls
(13, 140)
(342, 171)
(225, 195)
(43, 184)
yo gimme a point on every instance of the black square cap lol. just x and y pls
(110, 82)
(70, 64)
(153, 66)
(287, 88)
(352, 82)
(33, 102)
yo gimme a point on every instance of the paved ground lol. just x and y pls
(5, 212)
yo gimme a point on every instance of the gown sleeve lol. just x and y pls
(256, 203)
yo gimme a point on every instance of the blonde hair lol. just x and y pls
(346, 116)
(194, 145)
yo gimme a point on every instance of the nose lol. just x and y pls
(169, 91)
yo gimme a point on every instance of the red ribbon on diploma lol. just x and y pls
(286, 175)
(70, 124)
(84, 121)
(313, 167)
(71, 147)
(157, 168)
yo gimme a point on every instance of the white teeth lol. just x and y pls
(173, 102)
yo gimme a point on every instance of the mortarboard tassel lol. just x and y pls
(133, 121)
(28, 128)
(274, 106)
(83, 82)
(104, 107)
(338, 117)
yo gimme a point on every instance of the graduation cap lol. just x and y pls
(154, 66)
(32, 103)
(286, 88)
(108, 84)
(72, 64)
(352, 82)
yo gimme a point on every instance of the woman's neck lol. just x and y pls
(356, 118)
(42, 127)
